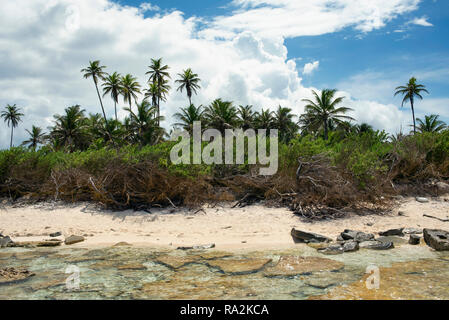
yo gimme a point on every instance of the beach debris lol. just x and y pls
(393, 232)
(5, 241)
(201, 247)
(356, 236)
(307, 237)
(437, 239)
(55, 234)
(376, 245)
(414, 240)
(422, 200)
(413, 231)
(11, 275)
(436, 218)
(73, 239)
(294, 265)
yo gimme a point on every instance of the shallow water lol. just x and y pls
(406, 272)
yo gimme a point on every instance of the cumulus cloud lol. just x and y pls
(310, 67)
(44, 45)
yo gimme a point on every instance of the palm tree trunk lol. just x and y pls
(326, 135)
(413, 113)
(101, 102)
(12, 132)
(190, 100)
(115, 107)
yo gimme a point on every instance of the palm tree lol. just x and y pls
(95, 71)
(431, 124)
(130, 89)
(264, 119)
(410, 91)
(324, 111)
(283, 121)
(188, 116)
(113, 85)
(71, 128)
(158, 74)
(246, 117)
(145, 124)
(189, 81)
(36, 137)
(12, 116)
(221, 115)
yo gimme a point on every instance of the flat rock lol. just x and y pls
(356, 236)
(393, 232)
(132, 266)
(437, 239)
(308, 237)
(199, 247)
(11, 275)
(34, 244)
(422, 200)
(413, 231)
(376, 245)
(73, 239)
(122, 244)
(239, 266)
(55, 234)
(175, 262)
(332, 249)
(294, 265)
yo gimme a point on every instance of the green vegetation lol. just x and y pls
(327, 163)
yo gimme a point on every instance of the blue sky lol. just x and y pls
(260, 52)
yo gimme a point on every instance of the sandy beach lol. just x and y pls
(254, 227)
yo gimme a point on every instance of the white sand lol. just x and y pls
(254, 227)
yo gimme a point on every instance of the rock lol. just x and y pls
(413, 231)
(422, 200)
(122, 244)
(442, 187)
(73, 239)
(33, 244)
(132, 266)
(357, 236)
(332, 249)
(11, 275)
(293, 265)
(175, 262)
(376, 245)
(307, 237)
(203, 247)
(414, 240)
(56, 234)
(437, 239)
(401, 214)
(393, 232)
(395, 239)
(350, 246)
(6, 242)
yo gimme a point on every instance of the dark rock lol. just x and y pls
(306, 237)
(6, 242)
(437, 239)
(332, 249)
(56, 234)
(396, 240)
(357, 236)
(350, 246)
(73, 239)
(34, 244)
(414, 240)
(442, 187)
(203, 247)
(377, 245)
(393, 232)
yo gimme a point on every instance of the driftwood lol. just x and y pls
(439, 219)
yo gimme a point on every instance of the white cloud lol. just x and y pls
(310, 67)
(42, 54)
(147, 6)
(421, 22)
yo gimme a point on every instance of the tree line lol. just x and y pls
(75, 130)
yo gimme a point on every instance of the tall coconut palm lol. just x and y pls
(325, 109)
(12, 116)
(36, 137)
(130, 89)
(410, 91)
(188, 116)
(158, 74)
(431, 124)
(246, 117)
(96, 72)
(283, 121)
(221, 115)
(71, 128)
(113, 85)
(157, 92)
(189, 81)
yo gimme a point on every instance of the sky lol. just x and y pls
(263, 53)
